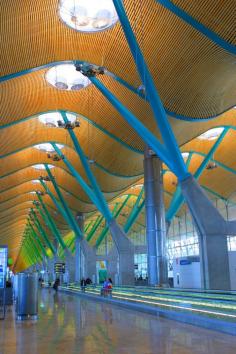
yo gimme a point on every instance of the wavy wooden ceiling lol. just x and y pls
(195, 77)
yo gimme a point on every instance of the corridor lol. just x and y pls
(68, 324)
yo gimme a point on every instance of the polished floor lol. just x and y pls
(68, 325)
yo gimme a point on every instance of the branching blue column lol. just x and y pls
(152, 94)
(75, 227)
(66, 211)
(80, 180)
(139, 127)
(37, 239)
(87, 169)
(178, 199)
(68, 216)
(135, 212)
(51, 222)
(123, 244)
(42, 232)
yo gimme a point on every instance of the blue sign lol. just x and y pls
(184, 262)
(3, 265)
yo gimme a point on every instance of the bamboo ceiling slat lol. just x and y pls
(193, 61)
(215, 15)
(96, 144)
(194, 76)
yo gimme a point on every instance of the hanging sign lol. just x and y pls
(59, 268)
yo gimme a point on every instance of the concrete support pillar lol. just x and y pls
(155, 220)
(89, 260)
(125, 252)
(89, 253)
(212, 231)
(77, 258)
(113, 265)
(70, 266)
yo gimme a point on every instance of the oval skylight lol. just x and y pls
(88, 15)
(35, 181)
(52, 119)
(47, 147)
(211, 134)
(65, 77)
(41, 166)
(185, 155)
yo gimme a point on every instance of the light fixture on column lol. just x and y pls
(211, 165)
(88, 15)
(45, 178)
(211, 134)
(55, 157)
(65, 77)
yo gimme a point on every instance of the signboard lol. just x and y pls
(59, 268)
(3, 266)
(185, 262)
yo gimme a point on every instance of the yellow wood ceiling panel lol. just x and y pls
(183, 70)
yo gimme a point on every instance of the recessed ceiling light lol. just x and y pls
(47, 147)
(88, 15)
(41, 166)
(65, 77)
(51, 119)
(211, 134)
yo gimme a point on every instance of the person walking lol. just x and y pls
(56, 284)
(83, 285)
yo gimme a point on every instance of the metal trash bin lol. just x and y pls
(27, 296)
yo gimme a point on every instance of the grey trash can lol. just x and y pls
(27, 296)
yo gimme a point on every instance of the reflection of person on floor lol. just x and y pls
(55, 298)
(56, 284)
(107, 311)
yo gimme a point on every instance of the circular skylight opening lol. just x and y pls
(35, 181)
(41, 166)
(137, 186)
(47, 147)
(53, 119)
(185, 155)
(211, 134)
(65, 77)
(88, 15)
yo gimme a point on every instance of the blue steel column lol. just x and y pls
(124, 246)
(155, 220)
(152, 94)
